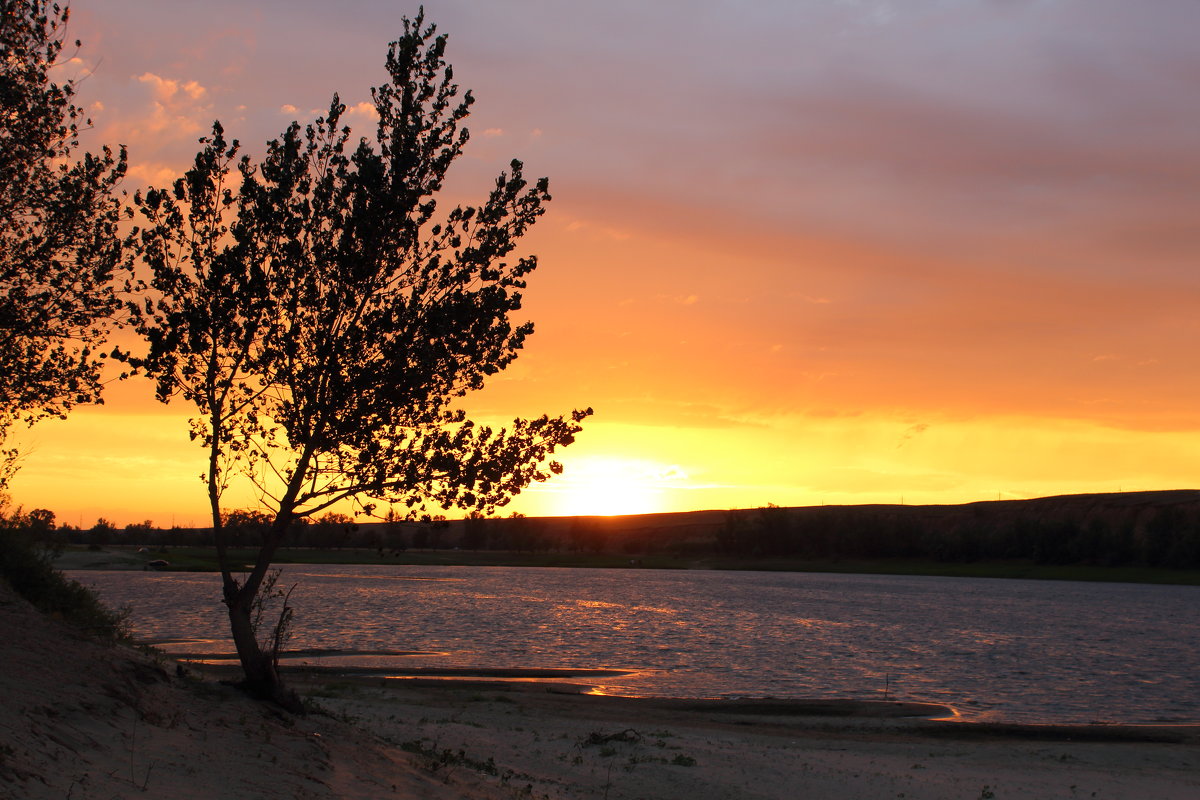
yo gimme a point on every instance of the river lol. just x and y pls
(1013, 650)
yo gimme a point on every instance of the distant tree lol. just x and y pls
(139, 532)
(324, 319)
(102, 532)
(394, 535)
(37, 526)
(773, 531)
(59, 242)
(244, 526)
(373, 538)
(519, 533)
(41, 519)
(474, 535)
(420, 538)
(587, 534)
(333, 529)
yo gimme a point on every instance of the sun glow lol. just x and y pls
(608, 487)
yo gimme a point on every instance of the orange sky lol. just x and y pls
(798, 252)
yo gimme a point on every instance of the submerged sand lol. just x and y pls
(81, 720)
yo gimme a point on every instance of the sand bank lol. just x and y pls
(79, 720)
(562, 745)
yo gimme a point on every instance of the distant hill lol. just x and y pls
(1128, 529)
(1142, 528)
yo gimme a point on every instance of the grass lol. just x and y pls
(204, 559)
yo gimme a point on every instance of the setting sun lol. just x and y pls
(608, 487)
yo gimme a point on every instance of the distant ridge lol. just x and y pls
(1135, 531)
(1148, 528)
(1152, 497)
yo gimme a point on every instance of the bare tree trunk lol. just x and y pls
(262, 679)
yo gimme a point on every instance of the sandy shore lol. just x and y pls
(571, 746)
(79, 720)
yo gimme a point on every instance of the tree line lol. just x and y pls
(1154, 536)
(1159, 530)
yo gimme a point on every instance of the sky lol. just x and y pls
(802, 252)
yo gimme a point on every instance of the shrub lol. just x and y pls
(26, 563)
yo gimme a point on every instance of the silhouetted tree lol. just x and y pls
(58, 228)
(420, 539)
(102, 532)
(139, 532)
(244, 526)
(733, 536)
(324, 318)
(393, 532)
(333, 530)
(518, 532)
(37, 526)
(474, 531)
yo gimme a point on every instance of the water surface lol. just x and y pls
(993, 649)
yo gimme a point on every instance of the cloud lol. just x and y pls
(597, 231)
(911, 433)
(175, 109)
(288, 108)
(168, 91)
(152, 174)
(364, 109)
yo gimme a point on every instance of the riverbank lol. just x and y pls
(204, 559)
(83, 720)
(560, 745)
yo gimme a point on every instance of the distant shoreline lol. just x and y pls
(1132, 537)
(203, 559)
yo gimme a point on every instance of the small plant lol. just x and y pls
(281, 632)
(680, 760)
(433, 759)
(311, 706)
(596, 737)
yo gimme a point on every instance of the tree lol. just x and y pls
(102, 532)
(333, 529)
(243, 526)
(324, 319)
(59, 242)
